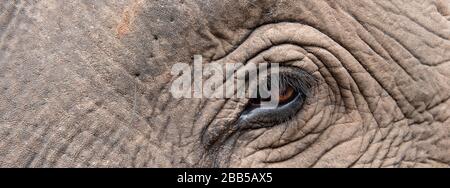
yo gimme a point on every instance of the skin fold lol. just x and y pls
(87, 83)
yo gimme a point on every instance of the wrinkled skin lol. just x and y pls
(86, 83)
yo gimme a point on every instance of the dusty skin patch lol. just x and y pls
(128, 17)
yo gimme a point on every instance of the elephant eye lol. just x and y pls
(295, 86)
(285, 95)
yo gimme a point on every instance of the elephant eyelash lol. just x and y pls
(301, 82)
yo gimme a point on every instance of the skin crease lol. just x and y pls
(86, 83)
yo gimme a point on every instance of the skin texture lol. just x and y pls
(86, 83)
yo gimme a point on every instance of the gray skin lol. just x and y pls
(87, 83)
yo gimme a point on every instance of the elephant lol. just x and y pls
(88, 83)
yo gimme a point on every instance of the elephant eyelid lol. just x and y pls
(300, 81)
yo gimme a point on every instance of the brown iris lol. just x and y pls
(286, 94)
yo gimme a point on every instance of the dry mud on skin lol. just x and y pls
(87, 83)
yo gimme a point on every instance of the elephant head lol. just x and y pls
(88, 83)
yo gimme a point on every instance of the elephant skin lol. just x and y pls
(87, 83)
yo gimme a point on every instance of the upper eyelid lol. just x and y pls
(272, 36)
